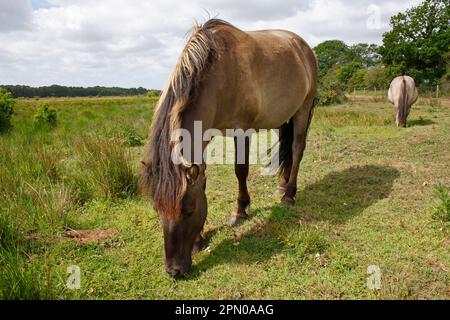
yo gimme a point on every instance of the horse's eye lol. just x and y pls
(189, 214)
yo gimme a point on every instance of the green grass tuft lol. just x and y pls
(107, 165)
(441, 210)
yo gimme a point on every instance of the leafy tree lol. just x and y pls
(365, 54)
(445, 80)
(378, 77)
(418, 41)
(6, 109)
(335, 52)
(357, 81)
(330, 53)
(347, 71)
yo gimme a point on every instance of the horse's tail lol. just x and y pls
(403, 103)
(286, 139)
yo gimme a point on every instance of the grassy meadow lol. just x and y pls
(368, 195)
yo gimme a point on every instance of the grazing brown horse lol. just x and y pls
(227, 79)
(403, 94)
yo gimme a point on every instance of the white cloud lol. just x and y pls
(14, 15)
(135, 43)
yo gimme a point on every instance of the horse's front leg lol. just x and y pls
(198, 244)
(241, 167)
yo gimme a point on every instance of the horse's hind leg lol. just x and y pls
(241, 170)
(284, 179)
(301, 123)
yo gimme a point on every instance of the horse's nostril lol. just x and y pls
(175, 271)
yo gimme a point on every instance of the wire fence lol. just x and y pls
(428, 91)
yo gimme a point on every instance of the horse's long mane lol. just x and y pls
(160, 176)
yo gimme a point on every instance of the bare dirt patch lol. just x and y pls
(85, 236)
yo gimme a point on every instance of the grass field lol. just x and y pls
(367, 196)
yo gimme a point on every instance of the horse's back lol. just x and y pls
(275, 44)
(266, 71)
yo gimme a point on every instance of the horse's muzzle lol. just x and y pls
(178, 270)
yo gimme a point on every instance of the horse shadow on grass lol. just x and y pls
(339, 196)
(420, 122)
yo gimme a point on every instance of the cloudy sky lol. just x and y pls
(135, 43)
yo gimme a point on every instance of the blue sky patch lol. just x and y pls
(41, 4)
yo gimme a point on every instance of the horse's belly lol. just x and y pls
(273, 117)
(278, 108)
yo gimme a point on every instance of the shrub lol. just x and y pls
(130, 138)
(6, 109)
(331, 89)
(153, 93)
(377, 77)
(346, 72)
(329, 95)
(45, 116)
(357, 80)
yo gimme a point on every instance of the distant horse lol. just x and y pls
(227, 79)
(403, 94)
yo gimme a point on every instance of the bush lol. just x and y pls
(357, 80)
(331, 89)
(346, 72)
(378, 77)
(45, 116)
(6, 109)
(130, 138)
(329, 95)
(153, 93)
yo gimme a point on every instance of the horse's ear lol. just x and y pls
(192, 173)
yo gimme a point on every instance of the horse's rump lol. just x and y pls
(403, 94)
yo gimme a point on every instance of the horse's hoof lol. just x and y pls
(290, 201)
(197, 248)
(237, 218)
(199, 245)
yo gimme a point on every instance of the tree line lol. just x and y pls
(63, 91)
